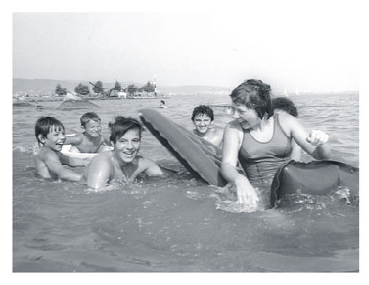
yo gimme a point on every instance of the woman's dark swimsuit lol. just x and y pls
(260, 160)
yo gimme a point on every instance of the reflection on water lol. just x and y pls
(179, 224)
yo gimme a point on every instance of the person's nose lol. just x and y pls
(129, 145)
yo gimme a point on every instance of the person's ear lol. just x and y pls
(41, 138)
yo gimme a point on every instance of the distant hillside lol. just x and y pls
(47, 86)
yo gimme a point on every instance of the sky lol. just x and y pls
(311, 47)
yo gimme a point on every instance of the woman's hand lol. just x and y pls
(245, 192)
(317, 138)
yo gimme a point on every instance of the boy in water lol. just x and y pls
(283, 105)
(203, 118)
(50, 134)
(123, 162)
(91, 140)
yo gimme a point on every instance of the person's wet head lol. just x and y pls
(255, 95)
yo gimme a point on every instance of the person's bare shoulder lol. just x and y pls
(149, 166)
(218, 130)
(46, 153)
(74, 140)
(233, 125)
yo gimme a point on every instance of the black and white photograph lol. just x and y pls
(185, 138)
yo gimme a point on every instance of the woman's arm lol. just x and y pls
(296, 151)
(231, 146)
(314, 143)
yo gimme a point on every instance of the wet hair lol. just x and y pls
(89, 116)
(162, 101)
(254, 94)
(44, 124)
(202, 110)
(286, 105)
(123, 125)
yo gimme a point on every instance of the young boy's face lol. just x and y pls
(127, 146)
(202, 123)
(93, 128)
(54, 139)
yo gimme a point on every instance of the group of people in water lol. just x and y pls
(264, 135)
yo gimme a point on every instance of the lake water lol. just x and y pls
(179, 224)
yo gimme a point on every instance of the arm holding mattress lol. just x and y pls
(231, 145)
(55, 166)
(314, 143)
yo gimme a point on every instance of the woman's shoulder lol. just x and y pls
(285, 119)
(234, 125)
(287, 122)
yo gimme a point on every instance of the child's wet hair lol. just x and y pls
(44, 124)
(286, 105)
(121, 125)
(89, 116)
(254, 94)
(203, 110)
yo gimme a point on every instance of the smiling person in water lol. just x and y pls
(91, 140)
(123, 162)
(49, 161)
(262, 141)
(202, 118)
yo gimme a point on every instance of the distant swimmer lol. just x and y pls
(91, 140)
(202, 118)
(49, 161)
(162, 104)
(284, 105)
(123, 162)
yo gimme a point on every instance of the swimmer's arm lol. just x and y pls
(73, 140)
(99, 172)
(55, 166)
(296, 151)
(313, 143)
(73, 161)
(152, 169)
(231, 145)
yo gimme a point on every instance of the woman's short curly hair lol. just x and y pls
(254, 94)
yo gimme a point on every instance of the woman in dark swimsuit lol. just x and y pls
(262, 140)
